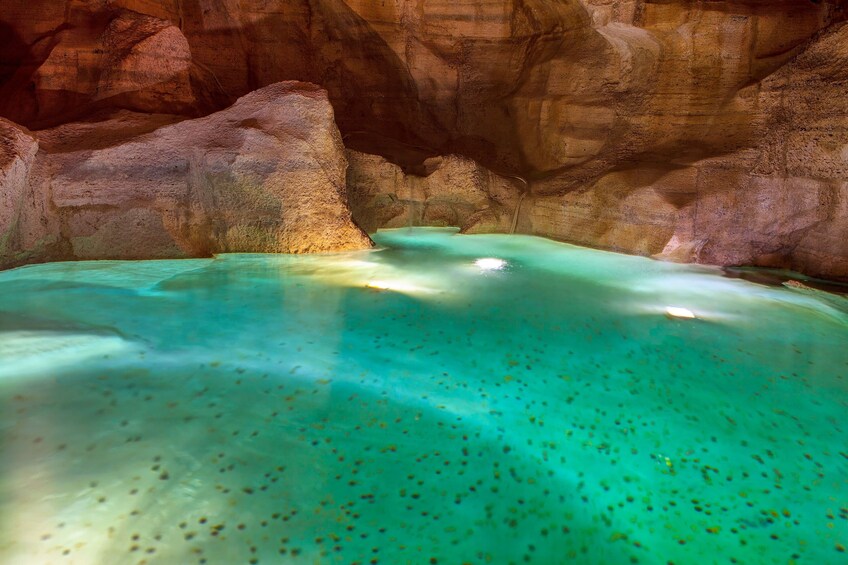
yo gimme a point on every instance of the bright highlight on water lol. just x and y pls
(443, 399)
(678, 312)
(490, 264)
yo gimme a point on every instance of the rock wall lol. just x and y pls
(18, 148)
(59, 65)
(451, 191)
(570, 88)
(647, 126)
(266, 175)
(783, 202)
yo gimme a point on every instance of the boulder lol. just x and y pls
(265, 175)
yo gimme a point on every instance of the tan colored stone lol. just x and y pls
(458, 192)
(266, 175)
(19, 239)
(708, 131)
(781, 203)
(531, 86)
(102, 58)
(17, 152)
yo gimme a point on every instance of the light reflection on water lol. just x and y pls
(406, 404)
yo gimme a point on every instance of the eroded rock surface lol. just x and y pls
(782, 202)
(453, 191)
(18, 148)
(266, 175)
(662, 127)
(570, 88)
(59, 66)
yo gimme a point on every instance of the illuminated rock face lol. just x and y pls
(782, 201)
(18, 148)
(451, 191)
(266, 175)
(572, 88)
(653, 127)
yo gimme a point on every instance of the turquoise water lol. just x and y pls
(412, 404)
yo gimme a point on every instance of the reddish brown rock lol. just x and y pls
(679, 152)
(94, 56)
(570, 88)
(266, 175)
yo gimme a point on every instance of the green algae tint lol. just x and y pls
(413, 404)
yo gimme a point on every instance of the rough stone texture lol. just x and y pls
(642, 124)
(93, 56)
(18, 148)
(266, 175)
(456, 191)
(570, 88)
(781, 203)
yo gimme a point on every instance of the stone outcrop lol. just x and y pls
(94, 56)
(783, 202)
(647, 126)
(452, 191)
(18, 148)
(569, 89)
(266, 175)
(717, 134)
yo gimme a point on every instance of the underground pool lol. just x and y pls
(443, 398)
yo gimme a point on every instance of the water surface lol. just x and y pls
(412, 404)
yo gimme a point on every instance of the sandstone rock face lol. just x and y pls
(266, 175)
(713, 132)
(648, 126)
(455, 192)
(18, 148)
(93, 56)
(779, 203)
(569, 89)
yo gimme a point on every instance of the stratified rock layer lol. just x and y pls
(662, 127)
(266, 175)
(781, 203)
(18, 148)
(58, 66)
(570, 88)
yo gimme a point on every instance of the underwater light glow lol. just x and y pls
(490, 264)
(25, 352)
(398, 286)
(678, 312)
(403, 404)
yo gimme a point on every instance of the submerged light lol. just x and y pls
(678, 312)
(38, 352)
(490, 264)
(397, 286)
